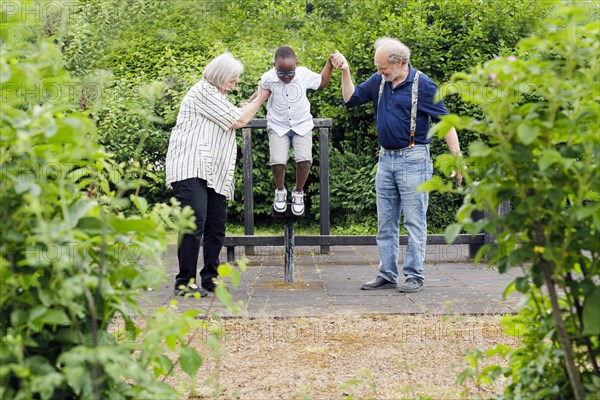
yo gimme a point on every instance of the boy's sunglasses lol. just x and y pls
(286, 73)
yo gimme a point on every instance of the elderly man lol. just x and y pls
(403, 103)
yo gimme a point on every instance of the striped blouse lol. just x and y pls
(202, 145)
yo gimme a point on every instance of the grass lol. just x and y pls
(304, 229)
(300, 228)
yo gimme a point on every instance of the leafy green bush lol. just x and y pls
(73, 265)
(541, 118)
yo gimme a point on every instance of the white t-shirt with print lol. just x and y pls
(288, 107)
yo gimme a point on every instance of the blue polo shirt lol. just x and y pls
(393, 115)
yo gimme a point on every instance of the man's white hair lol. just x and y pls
(222, 69)
(397, 51)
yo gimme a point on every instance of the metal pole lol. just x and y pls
(289, 251)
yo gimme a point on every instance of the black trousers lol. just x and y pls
(210, 209)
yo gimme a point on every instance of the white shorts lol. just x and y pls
(279, 147)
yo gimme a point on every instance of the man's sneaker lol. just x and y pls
(378, 284)
(411, 285)
(280, 203)
(190, 289)
(297, 202)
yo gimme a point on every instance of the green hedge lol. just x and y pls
(164, 46)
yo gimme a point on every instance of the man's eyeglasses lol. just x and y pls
(286, 73)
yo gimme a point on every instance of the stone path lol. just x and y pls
(327, 284)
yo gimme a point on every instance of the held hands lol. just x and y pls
(339, 61)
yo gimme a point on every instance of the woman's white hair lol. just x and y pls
(222, 69)
(397, 51)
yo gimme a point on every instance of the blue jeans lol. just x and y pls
(399, 173)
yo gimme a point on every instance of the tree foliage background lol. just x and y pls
(115, 47)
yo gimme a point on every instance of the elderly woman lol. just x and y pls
(200, 164)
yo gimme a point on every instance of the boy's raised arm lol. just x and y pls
(326, 73)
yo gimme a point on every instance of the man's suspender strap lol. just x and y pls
(380, 91)
(413, 108)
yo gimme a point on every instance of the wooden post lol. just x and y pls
(503, 209)
(474, 248)
(324, 183)
(248, 186)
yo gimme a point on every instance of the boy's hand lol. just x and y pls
(339, 61)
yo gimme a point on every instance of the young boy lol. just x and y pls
(289, 121)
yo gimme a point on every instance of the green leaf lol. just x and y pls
(70, 130)
(90, 225)
(489, 374)
(55, 317)
(500, 349)
(235, 277)
(435, 184)
(36, 312)
(479, 149)
(224, 270)
(591, 314)
(162, 365)
(442, 128)
(78, 210)
(452, 232)
(548, 158)
(190, 360)
(193, 313)
(584, 212)
(24, 184)
(522, 284)
(480, 254)
(527, 132)
(133, 224)
(140, 202)
(171, 341)
(223, 295)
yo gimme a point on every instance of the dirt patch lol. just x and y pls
(279, 284)
(363, 356)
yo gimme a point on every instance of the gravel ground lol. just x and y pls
(339, 357)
